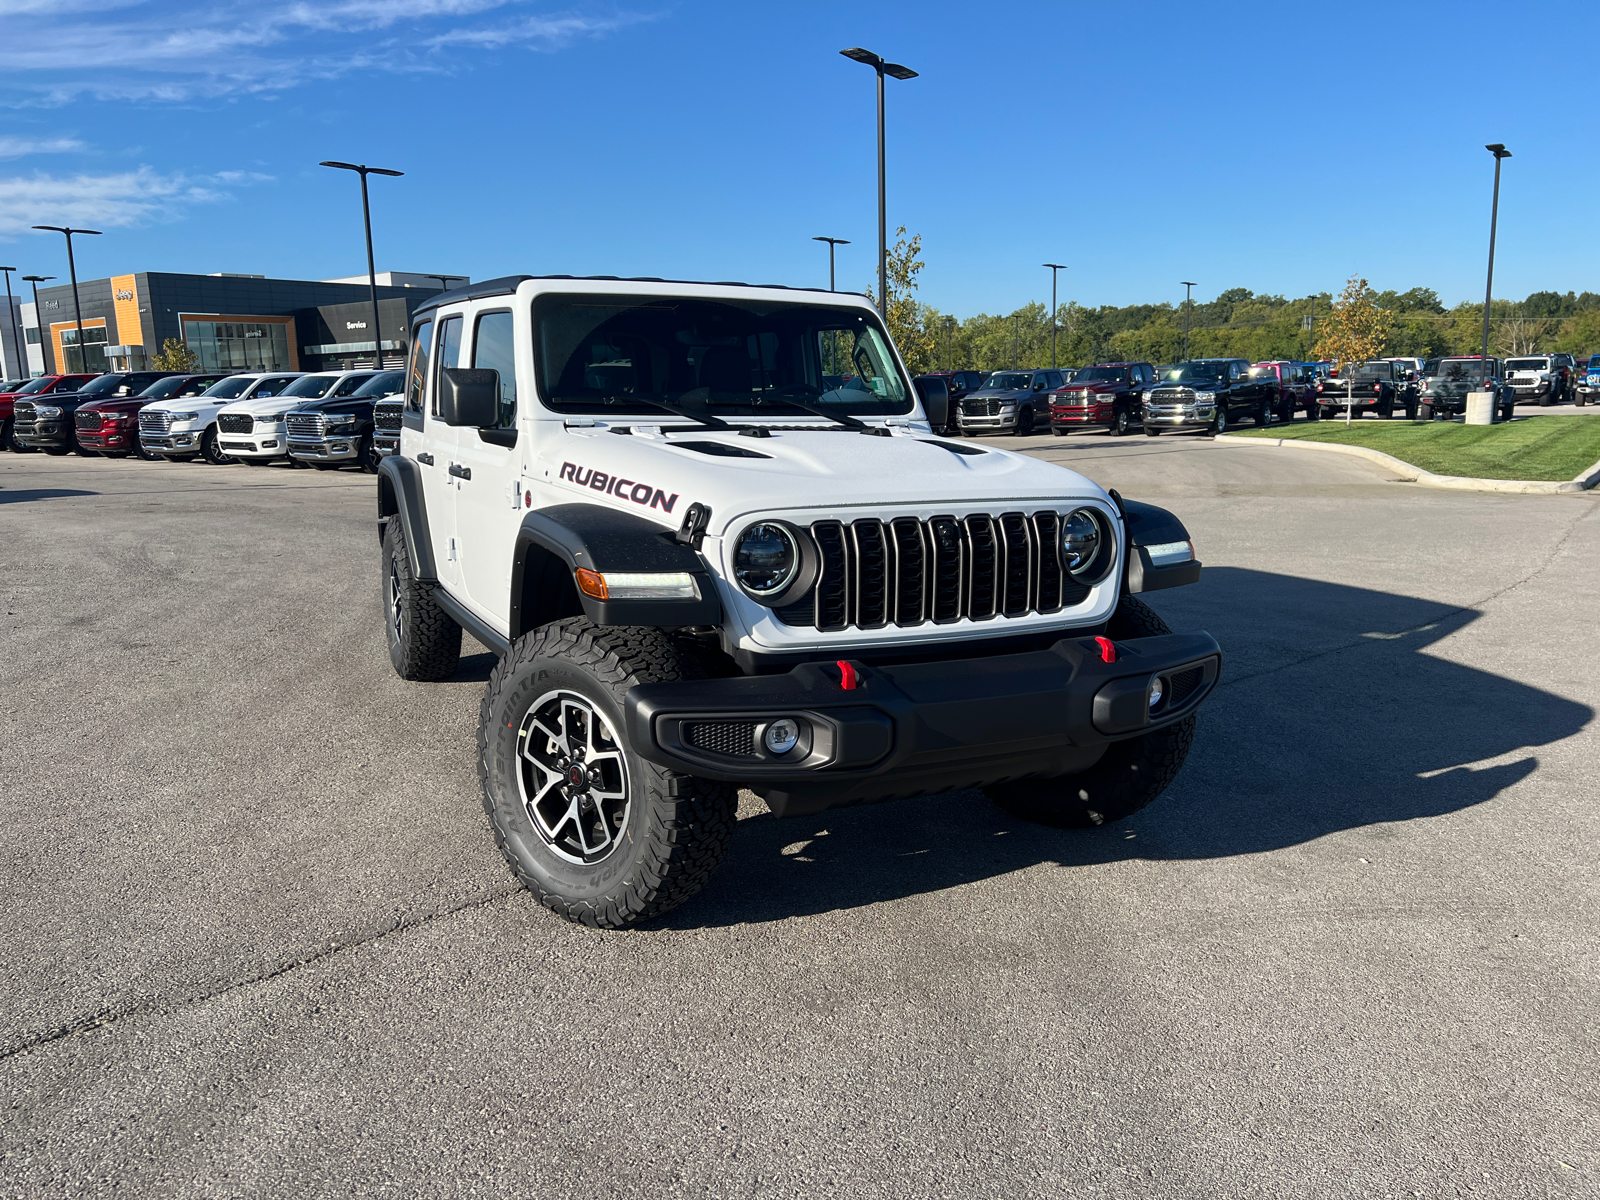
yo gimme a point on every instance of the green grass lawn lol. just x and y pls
(1555, 448)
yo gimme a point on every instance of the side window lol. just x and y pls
(350, 385)
(493, 350)
(448, 354)
(271, 387)
(421, 340)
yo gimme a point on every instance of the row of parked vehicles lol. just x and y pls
(325, 418)
(1216, 393)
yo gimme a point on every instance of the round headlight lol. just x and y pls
(1081, 541)
(766, 559)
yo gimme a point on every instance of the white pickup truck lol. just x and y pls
(181, 429)
(706, 563)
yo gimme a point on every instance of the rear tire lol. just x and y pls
(1425, 412)
(627, 840)
(1313, 411)
(1128, 776)
(424, 641)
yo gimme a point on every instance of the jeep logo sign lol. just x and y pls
(124, 293)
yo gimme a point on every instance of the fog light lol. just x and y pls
(1155, 691)
(782, 736)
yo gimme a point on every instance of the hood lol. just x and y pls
(817, 473)
(119, 404)
(256, 405)
(343, 404)
(999, 394)
(1099, 387)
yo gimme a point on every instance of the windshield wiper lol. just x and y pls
(706, 419)
(817, 410)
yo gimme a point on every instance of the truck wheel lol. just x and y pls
(1425, 412)
(1313, 411)
(597, 833)
(1025, 422)
(211, 449)
(1119, 425)
(1411, 410)
(1219, 423)
(1264, 414)
(1129, 776)
(1151, 432)
(368, 458)
(424, 642)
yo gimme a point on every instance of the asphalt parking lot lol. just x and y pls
(259, 941)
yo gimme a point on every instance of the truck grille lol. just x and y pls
(157, 423)
(907, 571)
(1172, 396)
(305, 426)
(387, 417)
(23, 416)
(235, 423)
(980, 408)
(86, 420)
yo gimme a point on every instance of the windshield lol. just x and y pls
(1451, 369)
(385, 383)
(614, 354)
(106, 385)
(309, 387)
(37, 385)
(229, 389)
(1528, 364)
(1198, 372)
(1101, 375)
(162, 388)
(1010, 381)
(1368, 371)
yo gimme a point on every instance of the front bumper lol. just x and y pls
(42, 435)
(1179, 416)
(114, 440)
(1084, 416)
(258, 443)
(986, 424)
(343, 448)
(919, 728)
(1531, 391)
(385, 444)
(180, 441)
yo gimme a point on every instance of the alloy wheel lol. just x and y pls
(572, 776)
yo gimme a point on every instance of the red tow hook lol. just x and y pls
(1108, 650)
(847, 676)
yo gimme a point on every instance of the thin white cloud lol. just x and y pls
(109, 201)
(20, 147)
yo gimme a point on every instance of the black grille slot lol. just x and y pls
(1047, 537)
(1183, 685)
(985, 571)
(872, 574)
(733, 738)
(949, 567)
(910, 575)
(235, 423)
(86, 420)
(1018, 573)
(833, 587)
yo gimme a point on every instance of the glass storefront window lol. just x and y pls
(239, 345)
(75, 356)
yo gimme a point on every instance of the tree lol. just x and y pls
(1356, 331)
(908, 321)
(1522, 335)
(175, 356)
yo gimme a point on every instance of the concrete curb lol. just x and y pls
(1410, 473)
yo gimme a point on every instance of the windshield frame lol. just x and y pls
(757, 408)
(245, 382)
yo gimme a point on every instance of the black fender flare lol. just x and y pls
(1152, 525)
(553, 543)
(400, 498)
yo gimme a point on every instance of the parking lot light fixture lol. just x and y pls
(832, 242)
(1499, 152)
(372, 271)
(72, 270)
(38, 320)
(899, 72)
(11, 319)
(1188, 293)
(1054, 267)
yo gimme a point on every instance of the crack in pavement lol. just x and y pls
(352, 941)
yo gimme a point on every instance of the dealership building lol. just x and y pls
(231, 322)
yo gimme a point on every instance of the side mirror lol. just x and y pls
(935, 405)
(469, 397)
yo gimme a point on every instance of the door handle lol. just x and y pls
(460, 472)
(425, 459)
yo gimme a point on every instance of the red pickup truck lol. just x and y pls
(42, 386)
(1104, 396)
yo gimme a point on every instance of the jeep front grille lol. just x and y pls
(156, 423)
(907, 571)
(235, 423)
(307, 426)
(386, 417)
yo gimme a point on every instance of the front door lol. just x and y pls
(489, 507)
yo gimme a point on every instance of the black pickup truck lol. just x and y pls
(1377, 387)
(1211, 394)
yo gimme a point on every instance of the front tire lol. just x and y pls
(1128, 776)
(1119, 423)
(369, 457)
(211, 448)
(1219, 423)
(424, 642)
(599, 834)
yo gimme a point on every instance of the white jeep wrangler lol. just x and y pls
(704, 561)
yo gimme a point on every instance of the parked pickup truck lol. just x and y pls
(181, 429)
(253, 431)
(44, 385)
(1104, 396)
(387, 416)
(1378, 387)
(336, 430)
(51, 424)
(111, 426)
(1209, 393)
(1008, 402)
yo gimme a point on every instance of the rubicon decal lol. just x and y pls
(616, 485)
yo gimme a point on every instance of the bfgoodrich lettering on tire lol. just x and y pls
(599, 834)
(424, 642)
(1131, 774)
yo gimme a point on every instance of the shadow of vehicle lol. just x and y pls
(1330, 717)
(24, 495)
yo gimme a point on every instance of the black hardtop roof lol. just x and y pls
(507, 284)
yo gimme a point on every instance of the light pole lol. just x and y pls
(38, 320)
(899, 72)
(72, 270)
(372, 271)
(832, 242)
(1499, 152)
(1188, 291)
(11, 317)
(1054, 267)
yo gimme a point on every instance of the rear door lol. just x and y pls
(437, 446)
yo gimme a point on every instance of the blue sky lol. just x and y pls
(1277, 147)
